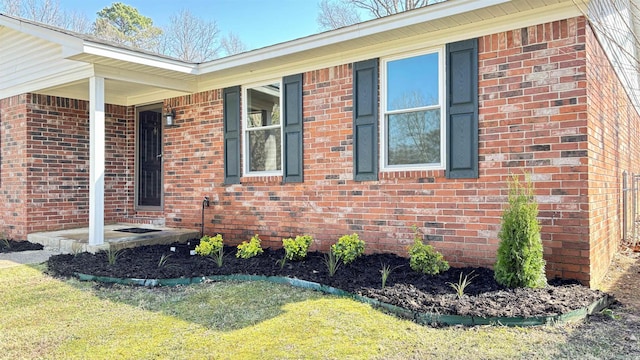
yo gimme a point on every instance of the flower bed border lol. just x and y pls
(421, 318)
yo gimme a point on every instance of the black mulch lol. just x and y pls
(405, 288)
(17, 246)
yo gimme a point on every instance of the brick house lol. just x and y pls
(417, 118)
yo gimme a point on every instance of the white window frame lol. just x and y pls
(384, 159)
(246, 130)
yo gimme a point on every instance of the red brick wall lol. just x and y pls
(533, 104)
(58, 156)
(533, 118)
(120, 147)
(55, 154)
(13, 167)
(193, 157)
(614, 147)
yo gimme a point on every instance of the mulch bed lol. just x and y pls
(405, 288)
(18, 246)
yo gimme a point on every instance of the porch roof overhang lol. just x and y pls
(51, 61)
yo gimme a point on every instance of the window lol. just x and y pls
(412, 111)
(262, 130)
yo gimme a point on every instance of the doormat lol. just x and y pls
(137, 230)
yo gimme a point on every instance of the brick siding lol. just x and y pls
(13, 167)
(534, 87)
(54, 153)
(614, 148)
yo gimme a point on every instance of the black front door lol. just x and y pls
(150, 158)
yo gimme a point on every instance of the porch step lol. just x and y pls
(142, 220)
(76, 240)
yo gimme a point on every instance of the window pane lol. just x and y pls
(264, 150)
(414, 138)
(412, 82)
(263, 106)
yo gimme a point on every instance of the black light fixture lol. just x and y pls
(169, 116)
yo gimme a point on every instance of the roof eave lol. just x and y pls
(353, 32)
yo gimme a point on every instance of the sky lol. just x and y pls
(258, 23)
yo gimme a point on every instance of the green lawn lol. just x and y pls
(43, 317)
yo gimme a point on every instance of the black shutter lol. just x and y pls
(365, 120)
(292, 128)
(231, 99)
(462, 109)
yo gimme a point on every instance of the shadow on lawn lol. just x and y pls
(614, 333)
(221, 306)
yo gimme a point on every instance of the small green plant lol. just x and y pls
(424, 258)
(348, 248)
(164, 260)
(250, 249)
(610, 314)
(385, 271)
(282, 262)
(212, 246)
(462, 284)
(112, 255)
(520, 261)
(4, 242)
(332, 261)
(296, 249)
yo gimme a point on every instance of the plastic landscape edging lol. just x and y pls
(423, 318)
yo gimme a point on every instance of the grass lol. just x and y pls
(43, 317)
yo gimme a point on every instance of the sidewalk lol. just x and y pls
(11, 259)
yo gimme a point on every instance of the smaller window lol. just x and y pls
(263, 133)
(413, 128)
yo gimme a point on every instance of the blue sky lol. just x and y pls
(257, 23)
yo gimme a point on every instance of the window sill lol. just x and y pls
(423, 176)
(261, 179)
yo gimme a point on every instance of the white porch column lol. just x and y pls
(96, 160)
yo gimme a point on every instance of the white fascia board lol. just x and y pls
(429, 13)
(111, 73)
(135, 57)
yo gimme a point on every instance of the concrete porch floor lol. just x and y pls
(77, 240)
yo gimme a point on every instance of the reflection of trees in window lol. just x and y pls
(263, 130)
(413, 136)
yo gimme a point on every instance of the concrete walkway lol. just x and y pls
(12, 259)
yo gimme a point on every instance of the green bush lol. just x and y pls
(209, 245)
(425, 259)
(520, 261)
(296, 249)
(348, 248)
(250, 249)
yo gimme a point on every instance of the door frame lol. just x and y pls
(158, 107)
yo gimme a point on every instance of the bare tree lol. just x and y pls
(231, 44)
(187, 37)
(414, 136)
(191, 38)
(339, 13)
(47, 12)
(11, 7)
(336, 14)
(76, 21)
